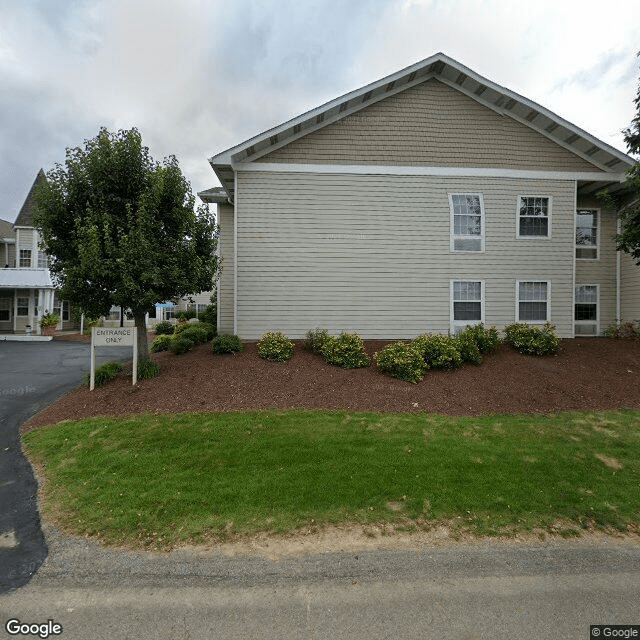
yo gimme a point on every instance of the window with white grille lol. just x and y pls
(532, 301)
(467, 303)
(587, 234)
(534, 214)
(467, 221)
(586, 310)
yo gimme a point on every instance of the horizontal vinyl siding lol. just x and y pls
(225, 219)
(629, 289)
(430, 125)
(603, 270)
(371, 254)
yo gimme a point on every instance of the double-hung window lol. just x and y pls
(22, 304)
(467, 303)
(534, 215)
(25, 258)
(587, 234)
(467, 221)
(586, 310)
(532, 301)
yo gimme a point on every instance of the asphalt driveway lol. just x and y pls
(33, 375)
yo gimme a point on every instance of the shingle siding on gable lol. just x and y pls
(372, 254)
(430, 125)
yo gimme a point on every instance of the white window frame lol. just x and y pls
(460, 325)
(23, 306)
(453, 236)
(549, 217)
(595, 246)
(25, 259)
(548, 301)
(595, 322)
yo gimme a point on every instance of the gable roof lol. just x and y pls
(25, 217)
(446, 70)
(6, 230)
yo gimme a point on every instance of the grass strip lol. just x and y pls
(157, 480)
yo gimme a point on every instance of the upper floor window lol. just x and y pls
(25, 258)
(43, 262)
(586, 234)
(534, 213)
(467, 221)
(532, 301)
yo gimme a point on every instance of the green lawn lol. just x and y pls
(156, 480)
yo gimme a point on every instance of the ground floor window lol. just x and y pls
(466, 303)
(6, 304)
(532, 301)
(170, 312)
(22, 306)
(586, 310)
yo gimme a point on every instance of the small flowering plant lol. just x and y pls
(275, 346)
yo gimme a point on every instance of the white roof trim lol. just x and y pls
(399, 170)
(444, 69)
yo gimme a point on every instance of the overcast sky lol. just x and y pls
(199, 76)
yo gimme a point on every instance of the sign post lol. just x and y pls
(121, 337)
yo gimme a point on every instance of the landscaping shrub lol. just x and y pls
(275, 346)
(180, 344)
(226, 343)
(210, 315)
(487, 339)
(182, 325)
(438, 352)
(148, 369)
(623, 331)
(314, 340)
(209, 328)
(402, 361)
(532, 341)
(346, 351)
(161, 343)
(468, 347)
(104, 373)
(197, 335)
(164, 328)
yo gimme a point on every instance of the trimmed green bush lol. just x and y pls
(148, 369)
(532, 341)
(209, 328)
(182, 325)
(402, 361)
(180, 344)
(104, 373)
(468, 347)
(164, 328)
(488, 340)
(346, 351)
(226, 343)
(210, 315)
(161, 343)
(197, 335)
(314, 339)
(275, 346)
(438, 352)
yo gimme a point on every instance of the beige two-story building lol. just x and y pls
(423, 202)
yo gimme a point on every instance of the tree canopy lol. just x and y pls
(628, 240)
(121, 229)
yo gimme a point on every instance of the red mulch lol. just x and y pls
(588, 373)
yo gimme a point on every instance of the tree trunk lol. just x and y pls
(141, 326)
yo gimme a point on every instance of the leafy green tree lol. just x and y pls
(628, 240)
(121, 229)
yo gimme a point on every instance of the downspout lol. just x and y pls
(618, 270)
(235, 253)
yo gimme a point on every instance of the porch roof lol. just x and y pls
(25, 279)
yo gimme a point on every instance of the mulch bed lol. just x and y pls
(588, 373)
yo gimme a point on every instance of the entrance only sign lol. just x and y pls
(119, 337)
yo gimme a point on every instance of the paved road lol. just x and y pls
(494, 591)
(32, 376)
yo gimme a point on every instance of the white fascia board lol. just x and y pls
(398, 170)
(228, 156)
